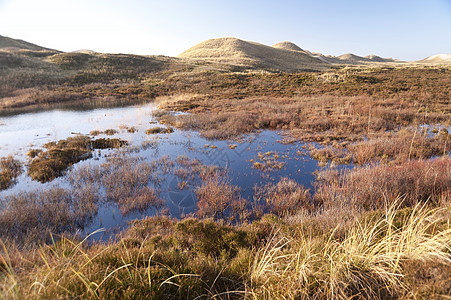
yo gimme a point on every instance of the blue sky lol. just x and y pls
(404, 29)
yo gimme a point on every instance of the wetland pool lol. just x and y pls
(255, 159)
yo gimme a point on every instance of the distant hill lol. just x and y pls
(288, 46)
(437, 59)
(251, 54)
(9, 43)
(352, 58)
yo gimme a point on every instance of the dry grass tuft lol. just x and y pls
(368, 262)
(286, 197)
(371, 187)
(215, 196)
(10, 168)
(156, 130)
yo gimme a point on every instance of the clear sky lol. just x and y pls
(404, 29)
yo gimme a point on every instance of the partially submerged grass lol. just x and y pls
(318, 118)
(215, 196)
(10, 168)
(404, 145)
(286, 197)
(50, 164)
(106, 132)
(392, 148)
(30, 217)
(155, 130)
(268, 161)
(372, 187)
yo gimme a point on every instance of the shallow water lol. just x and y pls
(22, 132)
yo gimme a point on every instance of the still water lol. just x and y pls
(22, 132)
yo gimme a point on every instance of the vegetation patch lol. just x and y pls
(286, 197)
(376, 257)
(10, 168)
(60, 155)
(372, 187)
(30, 218)
(106, 132)
(156, 130)
(268, 161)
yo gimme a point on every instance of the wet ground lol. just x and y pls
(254, 159)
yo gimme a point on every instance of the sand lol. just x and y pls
(244, 53)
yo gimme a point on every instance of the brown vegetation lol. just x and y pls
(373, 187)
(286, 197)
(155, 130)
(268, 161)
(10, 168)
(379, 230)
(31, 217)
(50, 164)
(323, 118)
(215, 196)
(398, 254)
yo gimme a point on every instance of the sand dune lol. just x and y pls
(288, 46)
(250, 54)
(352, 58)
(437, 59)
(9, 43)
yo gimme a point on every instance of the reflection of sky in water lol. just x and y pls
(22, 132)
(29, 130)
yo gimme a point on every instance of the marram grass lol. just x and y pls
(368, 260)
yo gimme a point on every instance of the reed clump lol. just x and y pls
(30, 217)
(215, 196)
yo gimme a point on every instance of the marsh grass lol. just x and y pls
(10, 169)
(319, 118)
(30, 217)
(369, 262)
(106, 132)
(268, 161)
(402, 146)
(286, 197)
(158, 257)
(59, 156)
(155, 130)
(215, 196)
(370, 187)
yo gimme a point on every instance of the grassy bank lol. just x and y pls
(400, 253)
(370, 232)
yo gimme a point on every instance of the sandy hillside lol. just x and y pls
(9, 43)
(243, 53)
(437, 59)
(352, 58)
(288, 46)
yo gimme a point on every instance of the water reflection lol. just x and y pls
(32, 130)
